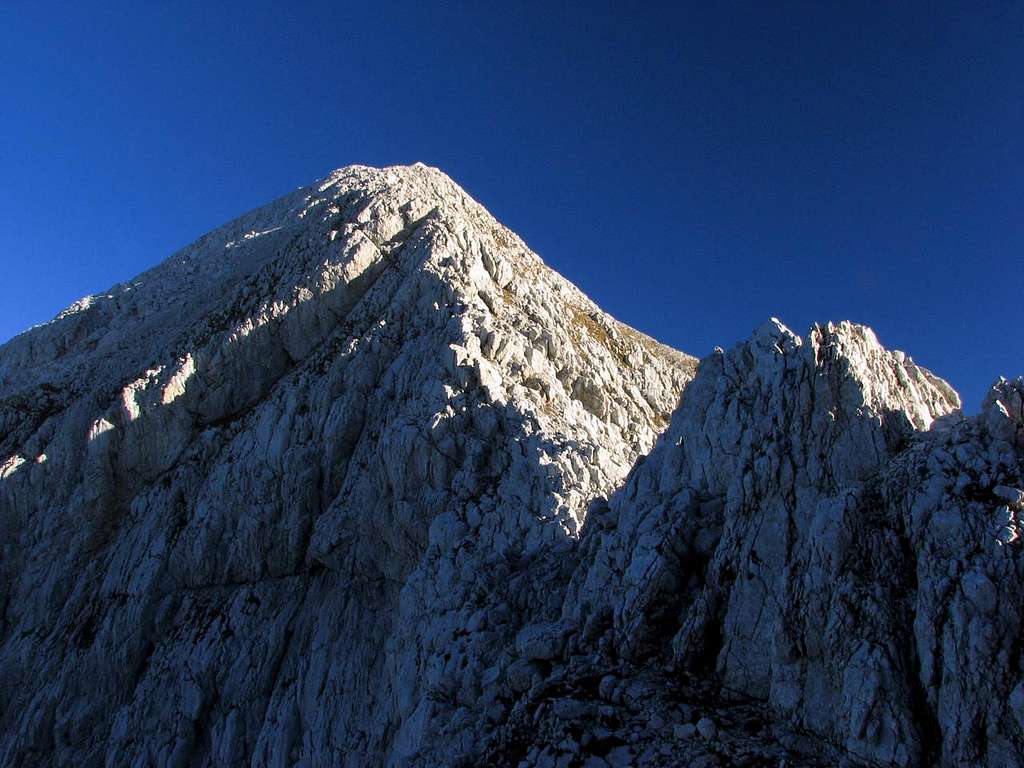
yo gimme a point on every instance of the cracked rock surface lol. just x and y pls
(822, 531)
(356, 480)
(275, 502)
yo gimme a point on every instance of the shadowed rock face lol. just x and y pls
(356, 480)
(797, 536)
(275, 501)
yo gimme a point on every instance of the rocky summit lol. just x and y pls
(356, 480)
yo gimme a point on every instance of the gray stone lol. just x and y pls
(706, 728)
(607, 687)
(316, 490)
(782, 470)
(619, 757)
(684, 731)
(523, 675)
(542, 641)
(1016, 706)
(570, 710)
(1012, 496)
(295, 453)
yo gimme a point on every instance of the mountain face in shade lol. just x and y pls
(277, 499)
(356, 480)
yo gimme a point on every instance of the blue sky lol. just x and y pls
(694, 170)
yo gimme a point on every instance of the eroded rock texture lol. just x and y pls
(355, 480)
(276, 501)
(799, 537)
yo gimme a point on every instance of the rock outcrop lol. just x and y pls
(820, 529)
(356, 480)
(276, 501)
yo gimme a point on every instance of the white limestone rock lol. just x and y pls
(273, 502)
(797, 535)
(356, 480)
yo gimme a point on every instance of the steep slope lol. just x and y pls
(799, 538)
(277, 501)
(356, 480)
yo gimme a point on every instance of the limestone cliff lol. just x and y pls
(356, 480)
(821, 530)
(275, 501)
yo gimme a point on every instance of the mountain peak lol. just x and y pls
(356, 479)
(307, 418)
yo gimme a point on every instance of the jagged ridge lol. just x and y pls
(257, 493)
(356, 479)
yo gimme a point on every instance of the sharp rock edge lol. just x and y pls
(356, 480)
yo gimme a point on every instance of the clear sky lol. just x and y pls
(695, 171)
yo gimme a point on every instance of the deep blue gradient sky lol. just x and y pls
(695, 171)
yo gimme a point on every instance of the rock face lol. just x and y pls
(797, 536)
(356, 480)
(276, 501)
